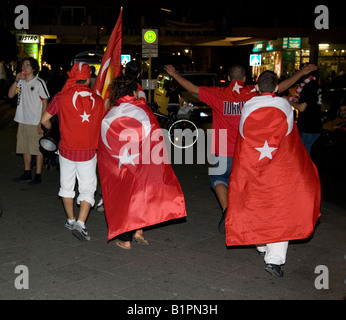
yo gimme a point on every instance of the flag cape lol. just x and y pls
(136, 192)
(111, 62)
(274, 191)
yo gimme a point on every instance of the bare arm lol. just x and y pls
(44, 108)
(284, 85)
(189, 86)
(299, 106)
(45, 120)
(12, 91)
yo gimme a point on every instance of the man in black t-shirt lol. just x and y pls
(309, 105)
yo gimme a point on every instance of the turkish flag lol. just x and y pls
(274, 191)
(111, 62)
(139, 187)
(81, 113)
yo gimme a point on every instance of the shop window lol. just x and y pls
(73, 15)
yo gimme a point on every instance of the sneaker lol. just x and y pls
(36, 180)
(100, 207)
(80, 232)
(70, 225)
(222, 222)
(274, 270)
(25, 177)
(261, 252)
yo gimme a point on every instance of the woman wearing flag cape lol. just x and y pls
(138, 190)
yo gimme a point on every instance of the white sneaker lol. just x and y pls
(99, 206)
(80, 232)
(70, 225)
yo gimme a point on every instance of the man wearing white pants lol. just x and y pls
(80, 114)
(85, 173)
(275, 192)
(274, 256)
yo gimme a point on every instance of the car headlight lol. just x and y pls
(187, 104)
(203, 114)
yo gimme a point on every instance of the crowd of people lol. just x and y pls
(266, 152)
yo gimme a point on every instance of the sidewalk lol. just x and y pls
(186, 259)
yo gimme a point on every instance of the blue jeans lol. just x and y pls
(309, 139)
(221, 171)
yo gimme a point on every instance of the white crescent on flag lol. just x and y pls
(83, 94)
(257, 103)
(105, 66)
(125, 110)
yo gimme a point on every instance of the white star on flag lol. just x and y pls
(126, 158)
(265, 151)
(85, 117)
(237, 87)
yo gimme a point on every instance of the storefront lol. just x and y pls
(332, 60)
(29, 45)
(285, 56)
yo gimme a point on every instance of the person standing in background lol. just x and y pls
(31, 104)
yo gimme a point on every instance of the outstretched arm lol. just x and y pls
(189, 86)
(284, 85)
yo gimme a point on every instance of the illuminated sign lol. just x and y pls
(259, 46)
(125, 58)
(28, 38)
(255, 59)
(150, 43)
(150, 36)
(291, 43)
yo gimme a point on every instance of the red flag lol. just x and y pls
(137, 189)
(111, 61)
(274, 192)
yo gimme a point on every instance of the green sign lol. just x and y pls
(150, 36)
(259, 46)
(291, 43)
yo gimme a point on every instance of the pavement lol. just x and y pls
(187, 259)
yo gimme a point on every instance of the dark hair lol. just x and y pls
(120, 87)
(81, 81)
(33, 63)
(267, 81)
(132, 69)
(237, 73)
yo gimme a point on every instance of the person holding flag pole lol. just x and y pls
(161, 200)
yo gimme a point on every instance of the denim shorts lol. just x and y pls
(221, 171)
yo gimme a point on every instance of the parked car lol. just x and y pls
(188, 106)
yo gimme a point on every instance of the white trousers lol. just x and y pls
(275, 253)
(84, 172)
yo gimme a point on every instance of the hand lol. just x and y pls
(170, 70)
(20, 76)
(308, 69)
(39, 129)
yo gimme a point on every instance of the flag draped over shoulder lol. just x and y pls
(274, 191)
(111, 61)
(138, 189)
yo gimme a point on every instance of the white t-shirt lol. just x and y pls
(29, 104)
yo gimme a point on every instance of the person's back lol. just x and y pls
(274, 194)
(227, 104)
(81, 112)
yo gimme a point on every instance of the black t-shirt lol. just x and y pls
(310, 121)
